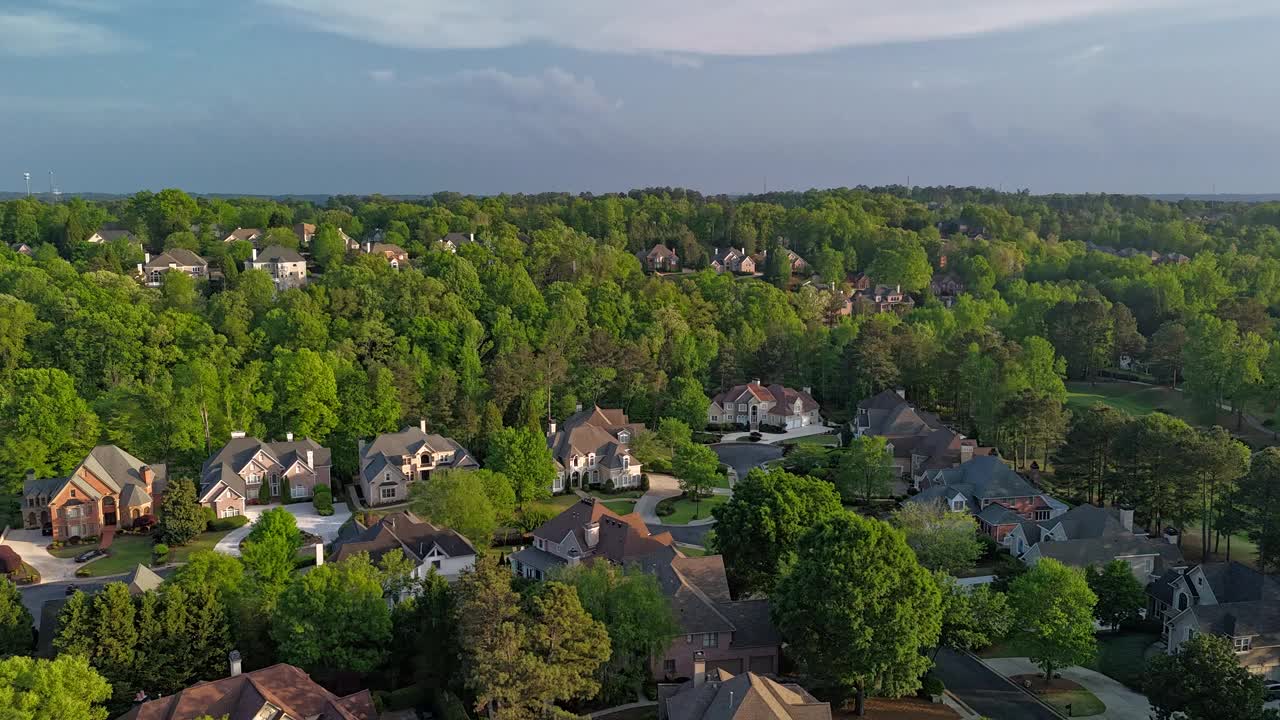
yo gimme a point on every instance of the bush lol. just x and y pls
(644, 482)
(161, 551)
(665, 507)
(447, 706)
(406, 698)
(609, 487)
(145, 522)
(322, 498)
(73, 540)
(932, 686)
(532, 518)
(82, 572)
(210, 515)
(229, 523)
(264, 494)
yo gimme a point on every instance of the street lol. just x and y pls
(985, 691)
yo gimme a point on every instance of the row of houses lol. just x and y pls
(1157, 258)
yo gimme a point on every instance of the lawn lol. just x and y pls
(1242, 550)
(555, 504)
(693, 551)
(126, 551)
(1083, 703)
(827, 440)
(1138, 399)
(203, 541)
(622, 507)
(684, 509)
(1121, 656)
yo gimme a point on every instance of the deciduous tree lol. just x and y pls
(1203, 680)
(334, 618)
(65, 688)
(942, 540)
(1120, 595)
(1053, 611)
(866, 469)
(521, 454)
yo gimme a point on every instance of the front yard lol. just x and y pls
(684, 510)
(128, 551)
(1121, 656)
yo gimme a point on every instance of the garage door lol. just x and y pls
(762, 664)
(731, 665)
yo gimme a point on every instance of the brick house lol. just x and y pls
(736, 635)
(236, 474)
(304, 231)
(109, 488)
(391, 462)
(798, 264)
(592, 448)
(152, 268)
(733, 260)
(659, 259)
(754, 405)
(918, 440)
(395, 255)
(946, 286)
(717, 694)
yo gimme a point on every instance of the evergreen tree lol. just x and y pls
(15, 621)
(181, 518)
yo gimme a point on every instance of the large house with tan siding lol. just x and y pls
(592, 448)
(918, 440)
(236, 474)
(153, 267)
(754, 406)
(286, 266)
(392, 462)
(109, 488)
(732, 635)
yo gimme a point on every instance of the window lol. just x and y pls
(624, 437)
(957, 504)
(1042, 514)
(626, 462)
(299, 490)
(711, 640)
(688, 639)
(73, 493)
(591, 458)
(387, 493)
(230, 512)
(253, 479)
(275, 485)
(669, 667)
(1242, 644)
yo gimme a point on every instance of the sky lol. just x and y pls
(489, 96)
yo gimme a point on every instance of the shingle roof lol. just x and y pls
(141, 579)
(109, 235)
(386, 450)
(223, 467)
(403, 531)
(988, 477)
(1102, 550)
(243, 234)
(276, 253)
(244, 696)
(116, 468)
(593, 431)
(743, 697)
(176, 256)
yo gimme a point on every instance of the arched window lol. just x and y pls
(1182, 601)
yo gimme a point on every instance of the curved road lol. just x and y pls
(986, 691)
(742, 456)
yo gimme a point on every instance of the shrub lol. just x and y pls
(322, 498)
(209, 515)
(644, 482)
(161, 551)
(447, 706)
(665, 507)
(609, 487)
(264, 494)
(73, 540)
(229, 523)
(531, 518)
(82, 572)
(932, 686)
(144, 522)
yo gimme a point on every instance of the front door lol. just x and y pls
(108, 511)
(755, 416)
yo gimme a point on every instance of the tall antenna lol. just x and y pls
(27, 176)
(54, 191)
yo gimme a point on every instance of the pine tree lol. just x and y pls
(76, 629)
(181, 517)
(15, 621)
(116, 638)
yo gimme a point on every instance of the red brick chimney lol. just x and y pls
(148, 477)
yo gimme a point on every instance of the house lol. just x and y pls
(989, 489)
(246, 234)
(1088, 535)
(286, 267)
(106, 235)
(278, 692)
(1173, 258)
(881, 299)
(1225, 599)
(659, 259)
(236, 473)
(946, 286)
(394, 461)
(797, 263)
(720, 695)
(22, 249)
(918, 441)
(733, 260)
(754, 406)
(859, 281)
(109, 488)
(430, 547)
(347, 240)
(394, 254)
(733, 635)
(454, 240)
(141, 579)
(593, 448)
(304, 231)
(152, 268)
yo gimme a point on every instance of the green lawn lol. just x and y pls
(127, 551)
(555, 504)
(1242, 550)
(684, 509)
(1083, 703)
(203, 541)
(622, 507)
(1121, 656)
(1131, 398)
(691, 551)
(827, 440)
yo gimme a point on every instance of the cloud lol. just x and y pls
(553, 90)
(382, 76)
(706, 27)
(1083, 56)
(40, 33)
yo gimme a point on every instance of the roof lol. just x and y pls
(134, 496)
(224, 466)
(276, 253)
(1102, 550)
(781, 396)
(244, 696)
(595, 430)
(622, 539)
(141, 579)
(114, 234)
(457, 238)
(1089, 521)
(243, 234)
(748, 696)
(114, 467)
(402, 531)
(175, 256)
(986, 477)
(1234, 582)
(382, 248)
(660, 251)
(387, 449)
(997, 514)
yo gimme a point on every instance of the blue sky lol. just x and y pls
(485, 96)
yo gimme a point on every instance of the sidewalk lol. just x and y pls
(1122, 703)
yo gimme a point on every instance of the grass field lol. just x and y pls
(1083, 703)
(1138, 399)
(684, 509)
(1241, 549)
(622, 507)
(827, 440)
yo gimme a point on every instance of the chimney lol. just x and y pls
(253, 255)
(237, 434)
(755, 381)
(591, 532)
(902, 393)
(148, 477)
(368, 247)
(234, 657)
(288, 437)
(577, 408)
(807, 390)
(422, 425)
(966, 450)
(146, 257)
(471, 237)
(31, 475)
(551, 427)
(699, 669)
(1126, 518)
(311, 458)
(319, 554)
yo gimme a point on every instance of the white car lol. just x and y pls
(1272, 688)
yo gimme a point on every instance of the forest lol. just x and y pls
(551, 308)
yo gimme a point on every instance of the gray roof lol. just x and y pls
(1234, 582)
(538, 559)
(141, 579)
(1099, 551)
(276, 253)
(117, 469)
(109, 235)
(176, 256)
(406, 532)
(743, 697)
(387, 449)
(986, 477)
(1089, 521)
(224, 466)
(594, 430)
(997, 514)
(134, 496)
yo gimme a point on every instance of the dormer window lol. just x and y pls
(591, 459)
(624, 436)
(957, 504)
(1042, 514)
(1242, 644)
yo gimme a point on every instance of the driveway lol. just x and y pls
(1122, 703)
(661, 487)
(986, 691)
(308, 521)
(32, 547)
(742, 456)
(779, 437)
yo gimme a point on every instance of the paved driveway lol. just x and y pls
(792, 434)
(1122, 703)
(305, 513)
(986, 691)
(661, 486)
(33, 548)
(746, 455)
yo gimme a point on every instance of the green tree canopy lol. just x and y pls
(334, 618)
(942, 540)
(65, 688)
(1053, 610)
(522, 455)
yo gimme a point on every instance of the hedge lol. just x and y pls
(322, 497)
(447, 706)
(229, 523)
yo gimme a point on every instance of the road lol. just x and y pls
(687, 534)
(744, 456)
(35, 596)
(985, 691)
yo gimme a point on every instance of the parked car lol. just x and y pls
(88, 555)
(47, 529)
(1272, 689)
(71, 589)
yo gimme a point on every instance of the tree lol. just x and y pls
(902, 264)
(65, 688)
(636, 614)
(15, 621)
(857, 609)
(182, 637)
(1085, 462)
(1083, 333)
(181, 517)
(777, 266)
(490, 635)
(522, 455)
(686, 401)
(306, 393)
(1219, 461)
(568, 647)
(1166, 350)
(972, 617)
(1120, 595)
(44, 425)
(270, 550)
(696, 467)
(334, 618)
(942, 540)
(424, 622)
(1203, 680)
(760, 527)
(1259, 499)
(327, 247)
(1053, 610)
(866, 469)
(454, 499)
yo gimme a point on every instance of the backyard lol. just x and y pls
(683, 509)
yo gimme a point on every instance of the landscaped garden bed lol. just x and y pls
(1061, 693)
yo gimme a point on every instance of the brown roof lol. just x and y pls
(779, 394)
(243, 234)
(623, 539)
(743, 697)
(593, 431)
(242, 697)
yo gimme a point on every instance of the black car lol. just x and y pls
(47, 529)
(1272, 689)
(71, 589)
(88, 555)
